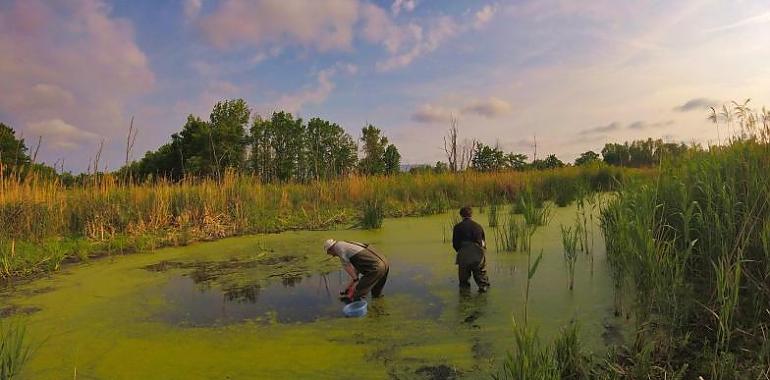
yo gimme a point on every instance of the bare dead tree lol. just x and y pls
(130, 140)
(37, 149)
(98, 157)
(33, 159)
(450, 144)
(214, 155)
(467, 150)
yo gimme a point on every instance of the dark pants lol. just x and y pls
(479, 271)
(374, 273)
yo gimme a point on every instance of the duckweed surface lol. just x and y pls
(265, 307)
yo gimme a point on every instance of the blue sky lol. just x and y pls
(575, 74)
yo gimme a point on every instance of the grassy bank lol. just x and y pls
(692, 248)
(43, 224)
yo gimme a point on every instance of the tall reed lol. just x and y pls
(569, 239)
(511, 235)
(530, 359)
(492, 215)
(534, 217)
(14, 350)
(693, 245)
(587, 203)
(43, 222)
(533, 360)
(372, 214)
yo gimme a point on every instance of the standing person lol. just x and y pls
(358, 259)
(468, 241)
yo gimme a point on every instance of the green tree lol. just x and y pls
(330, 151)
(261, 160)
(440, 167)
(194, 146)
(13, 151)
(616, 154)
(487, 158)
(553, 162)
(587, 158)
(287, 135)
(392, 160)
(227, 137)
(516, 161)
(166, 162)
(374, 145)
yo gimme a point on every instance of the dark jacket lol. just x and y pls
(467, 231)
(467, 240)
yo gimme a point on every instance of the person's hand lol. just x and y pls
(350, 287)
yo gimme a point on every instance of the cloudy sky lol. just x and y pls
(576, 74)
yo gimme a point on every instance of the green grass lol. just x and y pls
(691, 250)
(693, 246)
(511, 236)
(372, 214)
(43, 223)
(492, 216)
(569, 239)
(14, 349)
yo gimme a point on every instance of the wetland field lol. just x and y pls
(268, 305)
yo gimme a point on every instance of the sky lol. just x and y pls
(572, 75)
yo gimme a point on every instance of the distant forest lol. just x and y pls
(283, 148)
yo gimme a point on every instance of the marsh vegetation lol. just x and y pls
(688, 253)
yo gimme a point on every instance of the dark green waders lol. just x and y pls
(471, 260)
(374, 270)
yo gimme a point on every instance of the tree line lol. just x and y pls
(285, 148)
(279, 148)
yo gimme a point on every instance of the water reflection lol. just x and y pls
(195, 300)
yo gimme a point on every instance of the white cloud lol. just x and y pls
(69, 61)
(490, 108)
(61, 134)
(484, 15)
(321, 25)
(428, 113)
(419, 41)
(753, 20)
(611, 127)
(697, 104)
(408, 41)
(318, 93)
(406, 5)
(332, 25)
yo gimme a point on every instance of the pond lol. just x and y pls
(266, 307)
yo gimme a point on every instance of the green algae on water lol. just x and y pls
(228, 309)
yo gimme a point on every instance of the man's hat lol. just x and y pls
(328, 244)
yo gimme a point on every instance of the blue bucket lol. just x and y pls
(355, 309)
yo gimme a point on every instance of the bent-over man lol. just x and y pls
(359, 259)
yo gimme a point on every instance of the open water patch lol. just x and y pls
(279, 290)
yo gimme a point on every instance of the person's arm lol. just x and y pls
(456, 238)
(483, 238)
(351, 270)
